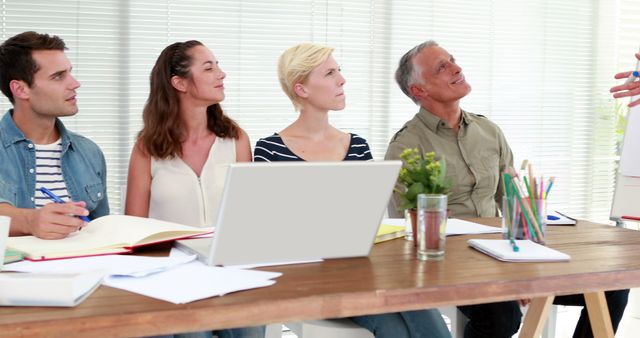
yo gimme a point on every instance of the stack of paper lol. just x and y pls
(454, 226)
(193, 281)
(119, 265)
(157, 277)
(459, 227)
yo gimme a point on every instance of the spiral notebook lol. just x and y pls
(528, 251)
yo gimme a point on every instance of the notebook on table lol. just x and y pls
(112, 234)
(285, 212)
(528, 251)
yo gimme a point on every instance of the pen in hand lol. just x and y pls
(57, 199)
(634, 75)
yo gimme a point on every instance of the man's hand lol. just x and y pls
(55, 221)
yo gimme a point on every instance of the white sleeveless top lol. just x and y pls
(178, 195)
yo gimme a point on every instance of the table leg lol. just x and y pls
(599, 314)
(536, 317)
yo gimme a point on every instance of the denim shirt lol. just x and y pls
(83, 168)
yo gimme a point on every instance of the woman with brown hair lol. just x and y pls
(179, 162)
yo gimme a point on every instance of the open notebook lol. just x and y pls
(111, 234)
(528, 251)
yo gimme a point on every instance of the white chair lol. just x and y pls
(273, 331)
(345, 328)
(549, 330)
(334, 328)
(457, 320)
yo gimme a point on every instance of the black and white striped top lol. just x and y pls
(272, 148)
(49, 173)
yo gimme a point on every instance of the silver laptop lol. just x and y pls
(286, 212)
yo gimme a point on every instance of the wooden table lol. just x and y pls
(391, 279)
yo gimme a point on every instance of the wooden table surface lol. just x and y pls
(390, 279)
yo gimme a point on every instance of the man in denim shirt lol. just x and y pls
(36, 150)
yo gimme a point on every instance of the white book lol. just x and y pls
(35, 289)
(528, 251)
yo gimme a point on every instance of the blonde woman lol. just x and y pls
(312, 79)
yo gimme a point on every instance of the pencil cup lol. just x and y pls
(5, 221)
(511, 225)
(522, 219)
(541, 209)
(431, 226)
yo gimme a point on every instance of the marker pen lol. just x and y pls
(634, 75)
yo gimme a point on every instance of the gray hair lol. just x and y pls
(408, 72)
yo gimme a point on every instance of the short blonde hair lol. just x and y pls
(295, 65)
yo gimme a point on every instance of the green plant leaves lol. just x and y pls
(421, 174)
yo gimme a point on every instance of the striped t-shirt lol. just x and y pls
(272, 148)
(49, 173)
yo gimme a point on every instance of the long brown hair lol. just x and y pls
(161, 135)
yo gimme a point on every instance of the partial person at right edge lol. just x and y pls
(628, 89)
(179, 162)
(476, 152)
(36, 150)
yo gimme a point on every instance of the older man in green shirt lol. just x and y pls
(476, 152)
(475, 149)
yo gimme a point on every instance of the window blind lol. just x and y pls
(540, 70)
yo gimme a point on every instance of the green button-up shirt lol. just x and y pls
(475, 158)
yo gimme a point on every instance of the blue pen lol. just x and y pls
(57, 199)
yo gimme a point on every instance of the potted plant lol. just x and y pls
(421, 174)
